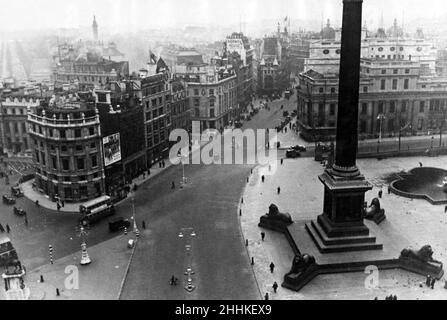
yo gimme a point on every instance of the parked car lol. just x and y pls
(16, 192)
(19, 211)
(119, 223)
(299, 147)
(8, 199)
(292, 153)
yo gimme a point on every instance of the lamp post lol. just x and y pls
(135, 227)
(189, 233)
(408, 125)
(380, 117)
(85, 258)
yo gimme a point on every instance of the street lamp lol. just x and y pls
(85, 258)
(189, 232)
(408, 125)
(135, 227)
(380, 117)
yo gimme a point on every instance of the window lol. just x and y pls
(395, 71)
(197, 112)
(363, 126)
(196, 102)
(80, 163)
(54, 162)
(403, 108)
(380, 109)
(77, 133)
(332, 90)
(94, 161)
(392, 106)
(382, 84)
(79, 147)
(332, 109)
(160, 100)
(383, 71)
(365, 89)
(211, 92)
(407, 71)
(65, 164)
(91, 131)
(42, 156)
(212, 102)
(321, 89)
(154, 102)
(406, 81)
(212, 113)
(364, 108)
(196, 92)
(394, 84)
(421, 106)
(326, 51)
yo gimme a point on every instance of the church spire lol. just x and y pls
(95, 29)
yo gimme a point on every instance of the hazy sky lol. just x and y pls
(37, 14)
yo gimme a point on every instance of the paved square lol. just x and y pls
(409, 222)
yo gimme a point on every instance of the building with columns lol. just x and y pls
(396, 96)
(68, 156)
(13, 117)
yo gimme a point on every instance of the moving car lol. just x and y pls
(16, 192)
(8, 199)
(292, 153)
(19, 211)
(299, 148)
(119, 223)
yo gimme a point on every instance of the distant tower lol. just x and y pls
(95, 29)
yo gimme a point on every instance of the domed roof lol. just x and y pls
(328, 32)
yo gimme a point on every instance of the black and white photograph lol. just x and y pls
(223, 155)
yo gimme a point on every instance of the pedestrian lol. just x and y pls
(420, 164)
(262, 178)
(1, 228)
(270, 167)
(252, 261)
(266, 297)
(380, 193)
(148, 172)
(163, 163)
(37, 203)
(275, 286)
(445, 209)
(428, 281)
(8, 229)
(144, 224)
(144, 175)
(41, 278)
(432, 284)
(272, 267)
(62, 203)
(279, 190)
(57, 292)
(159, 164)
(389, 189)
(172, 185)
(282, 160)
(58, 206)
(262, 235)
(26, 221)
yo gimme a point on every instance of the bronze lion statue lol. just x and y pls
(425, 254)
(301, 262)
(276, 215)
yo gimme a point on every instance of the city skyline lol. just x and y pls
(135, 15)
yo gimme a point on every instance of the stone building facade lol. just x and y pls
(396, 97)
(67, 149)
(14, 131)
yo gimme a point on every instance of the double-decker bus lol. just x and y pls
(96, 209)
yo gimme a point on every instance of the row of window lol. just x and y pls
(62, 133)
(64, 164)
(76, 178)
(394, 84)
(16, 111)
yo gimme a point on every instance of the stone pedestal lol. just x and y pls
(340, 228)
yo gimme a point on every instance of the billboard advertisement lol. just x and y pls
(112, 149)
